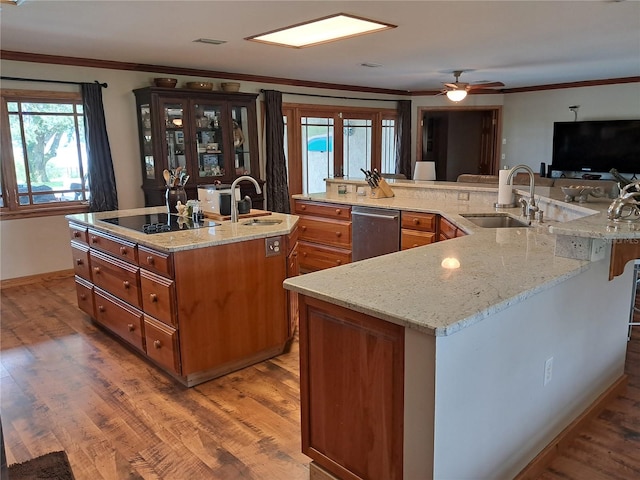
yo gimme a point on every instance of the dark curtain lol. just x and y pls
(277, 186)
(102, 181)
(403, 138)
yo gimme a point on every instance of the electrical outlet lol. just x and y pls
(548, 370)
(463, 196)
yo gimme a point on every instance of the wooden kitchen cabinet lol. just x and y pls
(351, 392)
(324, 231)
(418, 228)
(213, 135)
(448, 230)
(228, 309)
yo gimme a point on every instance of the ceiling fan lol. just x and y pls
(458, 90)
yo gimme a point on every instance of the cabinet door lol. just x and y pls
(172, 125)
(241, 120)
(209, 140)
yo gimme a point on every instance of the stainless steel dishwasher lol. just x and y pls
(374, 231)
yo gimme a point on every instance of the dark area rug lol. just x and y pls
(52, 466)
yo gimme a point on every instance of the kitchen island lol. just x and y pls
(198, 302)
(467, 357)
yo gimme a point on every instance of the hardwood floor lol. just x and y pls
(66, 385)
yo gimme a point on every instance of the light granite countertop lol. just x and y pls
(497, 267)
(225, 232)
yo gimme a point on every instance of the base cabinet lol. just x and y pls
(351, 391)
(198, 313)
(324, 235)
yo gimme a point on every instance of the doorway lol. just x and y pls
(460, 140)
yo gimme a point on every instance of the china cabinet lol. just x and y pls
(211, 135)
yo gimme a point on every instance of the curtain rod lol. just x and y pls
(334, 96)
(103, 85)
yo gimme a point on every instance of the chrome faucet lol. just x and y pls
(627, 206)
(234, 203)
(528, 209)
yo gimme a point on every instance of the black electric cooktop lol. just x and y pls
(159, 223)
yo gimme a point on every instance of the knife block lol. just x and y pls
(383, 190)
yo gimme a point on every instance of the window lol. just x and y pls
(367, 141)
(44, 159)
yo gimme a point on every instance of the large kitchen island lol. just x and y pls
(465, 358)
(200, 301)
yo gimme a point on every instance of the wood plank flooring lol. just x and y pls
(66, 385)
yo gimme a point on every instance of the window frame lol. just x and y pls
(9, 185)
(294, 113)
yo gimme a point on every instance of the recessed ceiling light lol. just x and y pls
(321, 30)
(210, 41)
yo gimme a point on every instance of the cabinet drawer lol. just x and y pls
(329, 210)
(415, 238)
(119, 317)
(447, 229)
(162, 343)
(84, 293)
(158, 294)
(313, 257)
(325, 231)
(80, 254)
(116, 277)
(419, 221)
(158, 262)
(78, 233)
(118, 247)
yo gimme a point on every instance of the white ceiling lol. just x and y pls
(520, 43)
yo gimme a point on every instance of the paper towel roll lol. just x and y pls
(505, 191)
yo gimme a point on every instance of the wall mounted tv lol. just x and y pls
(597, 146)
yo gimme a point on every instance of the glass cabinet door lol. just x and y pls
(209, 140)
(147, 142)
(241, 144)
(174, 123)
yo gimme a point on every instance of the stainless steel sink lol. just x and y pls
(256, 222)
(495, 220)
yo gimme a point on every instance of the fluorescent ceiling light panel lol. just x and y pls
(322, 30)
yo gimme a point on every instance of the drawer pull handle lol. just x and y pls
(414, 245)
(125, 284)
(416, 221)
(83, 296)
(338, 234)
(153, 297)
(157, 343)
(96, 269)
(338, 211)
(76, 234)
(101, 308)
(304, 228)
(304, 254)
(78, 261)
(123, 250)
(131, 327)
(339, 262)
(94, 239)
(303, 207)
(150, 260)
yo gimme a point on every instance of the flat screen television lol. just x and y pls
(597, 146)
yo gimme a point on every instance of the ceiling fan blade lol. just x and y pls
(483, 90)
(487, 85)
(452, 85)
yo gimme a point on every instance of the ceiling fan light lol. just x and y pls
(456, 95)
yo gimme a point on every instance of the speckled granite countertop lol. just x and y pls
(498, 267)
(226, 232)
